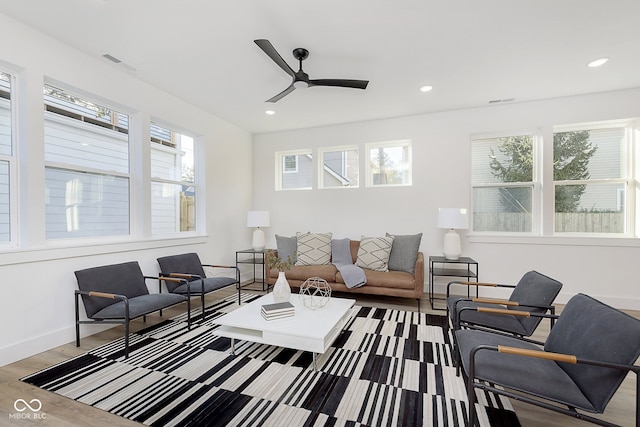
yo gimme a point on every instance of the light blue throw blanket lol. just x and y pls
(352, 275)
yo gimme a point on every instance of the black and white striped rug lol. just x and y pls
(387, 368)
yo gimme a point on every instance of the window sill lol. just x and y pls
(71, 249)
(622, 241)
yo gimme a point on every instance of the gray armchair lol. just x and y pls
(585, 358)
(534, 293)
(118, 294)
(189, 267)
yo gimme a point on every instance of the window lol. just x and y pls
(339, 167)
(6, 158)
(503, 175)
(86, 167)
(173, 183)
(388, 163)
(590, 179)
(294, 170)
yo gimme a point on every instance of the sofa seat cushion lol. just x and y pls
(389, 279)
(303, 272)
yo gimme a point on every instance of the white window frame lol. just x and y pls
(322, 169)
(279, 168)
(12, 162)
(630, 167)
(388, 144)
(535, 184)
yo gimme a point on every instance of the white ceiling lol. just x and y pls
(471, 51)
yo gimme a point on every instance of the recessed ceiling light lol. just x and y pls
(269, 112)
(426, 88)
(597, 62)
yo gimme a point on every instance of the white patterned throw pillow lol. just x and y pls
(313, 248)
(373, 253)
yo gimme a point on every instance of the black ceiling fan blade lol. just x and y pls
(272, 53)
(356, 84)
(282, 94)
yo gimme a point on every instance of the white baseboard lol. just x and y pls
(34, 345)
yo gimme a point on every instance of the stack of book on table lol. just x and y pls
(278, 310)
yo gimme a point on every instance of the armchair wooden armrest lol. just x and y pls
(558, 357)
(101, 294)
(466, 282)
(567, 358)
(172, 279)
(164, 277)
(105, 295)
(181, 276)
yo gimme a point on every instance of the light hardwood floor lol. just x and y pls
(61, 411)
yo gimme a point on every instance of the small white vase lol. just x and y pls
(281, 290)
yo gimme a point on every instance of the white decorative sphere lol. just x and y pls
(315, 293)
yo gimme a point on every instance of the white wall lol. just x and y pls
(441, 178)
(37, 279)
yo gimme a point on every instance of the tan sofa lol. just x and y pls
(390, 283)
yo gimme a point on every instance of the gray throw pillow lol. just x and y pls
(287, 247)
(404, 252)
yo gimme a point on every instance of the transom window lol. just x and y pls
(339, 167)
(294, 170)
(388, 163)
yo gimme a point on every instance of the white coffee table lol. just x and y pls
(307, 330)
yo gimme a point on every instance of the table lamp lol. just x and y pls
(452, 218)
(258, 219)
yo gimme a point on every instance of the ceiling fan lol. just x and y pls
(300, 78)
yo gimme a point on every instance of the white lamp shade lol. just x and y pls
(258, 219)
(453, 218)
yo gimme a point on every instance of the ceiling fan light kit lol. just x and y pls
(300, 78)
